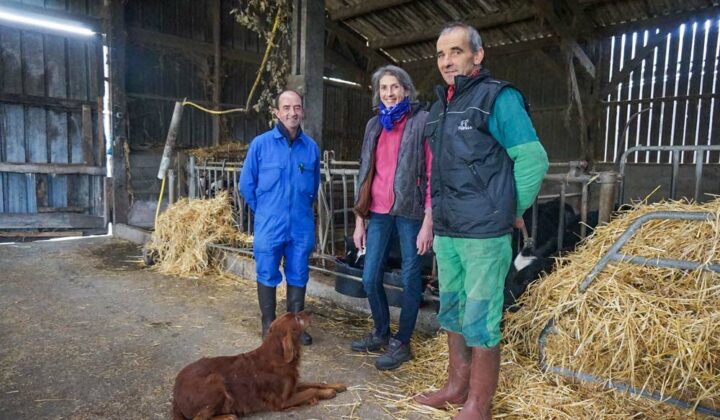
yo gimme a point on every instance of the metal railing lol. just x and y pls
(339, 185)
(613, 254)
(675, 160)
(209, 177)
(338, 190)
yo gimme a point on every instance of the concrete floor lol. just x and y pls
(87, 333)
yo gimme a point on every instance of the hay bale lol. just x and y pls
(652, 328)
(184, 231)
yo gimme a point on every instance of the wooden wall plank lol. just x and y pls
(184, 18)
(77, 69)
(151, 15)
(55, 4)
(200, 23)
(55, 70)
(14, 135)
(33, 66)
(169, 17)
(3, 188)
(77, 6)
(36, 135)
(38, 3)
(57, 133)
(10, 54)
(78, 187)
(94, 67)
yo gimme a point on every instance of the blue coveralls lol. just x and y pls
(280, 181)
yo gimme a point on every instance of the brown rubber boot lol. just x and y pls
(484, 376)
(455, 390)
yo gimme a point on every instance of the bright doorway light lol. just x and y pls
(11, 15)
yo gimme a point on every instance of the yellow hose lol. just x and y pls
(185, 102)
(157, 209)
(276, 24)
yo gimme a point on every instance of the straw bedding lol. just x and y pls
(653, 328)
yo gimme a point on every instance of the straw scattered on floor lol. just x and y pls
(657, 329)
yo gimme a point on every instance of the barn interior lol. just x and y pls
(113, 111)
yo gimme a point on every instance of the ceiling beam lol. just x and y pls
(481, 22)
(664, 22)
(364, 8)
(569, 38)
(374, 58)
(582, 23)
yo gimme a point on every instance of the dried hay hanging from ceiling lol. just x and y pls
(653, 328)
(233, 152)
(184, 231)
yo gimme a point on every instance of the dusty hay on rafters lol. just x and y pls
(653, 328)
(234, 152)
(186, 228)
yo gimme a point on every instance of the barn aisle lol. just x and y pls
(87, 333)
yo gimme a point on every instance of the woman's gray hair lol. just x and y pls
(401, 75)
(474, 38)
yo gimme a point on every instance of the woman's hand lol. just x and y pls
(425, 236)
(360, 235)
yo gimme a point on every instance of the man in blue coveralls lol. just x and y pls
(279, 181)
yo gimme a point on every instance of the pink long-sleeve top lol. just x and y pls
(386, 158)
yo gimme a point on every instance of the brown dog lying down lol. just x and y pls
(265, 379)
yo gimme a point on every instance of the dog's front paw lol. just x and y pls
(326, 394)
(338, 387)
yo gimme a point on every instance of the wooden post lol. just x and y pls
(170, 140)
(116, 40)
(308, 60)
(217, 83)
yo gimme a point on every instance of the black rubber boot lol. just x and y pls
(295, 304)
(267, 301)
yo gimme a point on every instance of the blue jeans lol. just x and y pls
(379, 233)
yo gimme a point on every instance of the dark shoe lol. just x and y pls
(296, 303)
(370, 342)
(267, 301)
(396, 354)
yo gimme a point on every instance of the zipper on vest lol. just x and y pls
(440, 175)
(471, 165)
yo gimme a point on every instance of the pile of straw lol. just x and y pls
(184, 231)
(655, 329)
(234, 152)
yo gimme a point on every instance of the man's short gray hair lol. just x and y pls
(474, 38)
(401, 75)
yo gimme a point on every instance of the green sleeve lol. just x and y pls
(531, 163)
(509, 122)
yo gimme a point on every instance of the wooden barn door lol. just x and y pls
(52, 155)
